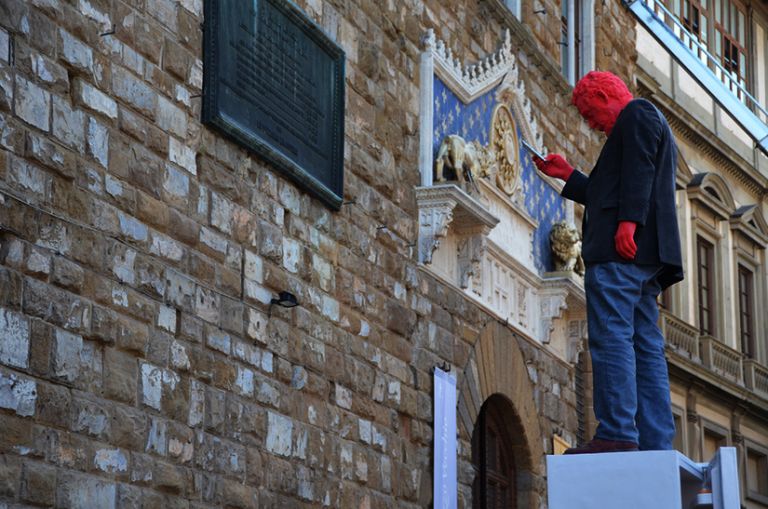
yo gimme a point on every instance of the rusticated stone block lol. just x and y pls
(10, 473)
(121, 375)
(33, 104)
(14, 331)
(38, 484)
(81, 492)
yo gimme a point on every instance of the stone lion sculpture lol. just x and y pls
(462, 158)
(566, 248)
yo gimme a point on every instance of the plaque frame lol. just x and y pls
(330, 191)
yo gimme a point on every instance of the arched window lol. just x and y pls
(492, 456)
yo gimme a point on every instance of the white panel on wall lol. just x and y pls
(446, 487)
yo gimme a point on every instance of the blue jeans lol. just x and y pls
(631, 382)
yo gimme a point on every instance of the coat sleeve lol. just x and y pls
(641, 132)
(576, 187)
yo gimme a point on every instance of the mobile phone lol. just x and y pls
(533, 151)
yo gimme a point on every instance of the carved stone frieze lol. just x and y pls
(577, 332)
(470, 257)
(522, 305)
(553, 303)
(433, 226)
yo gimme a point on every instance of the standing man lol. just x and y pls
(631, 249)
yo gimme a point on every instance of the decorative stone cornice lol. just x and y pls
(447, 205)
(686, 127)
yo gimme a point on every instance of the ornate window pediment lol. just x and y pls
(711, 191)
(750, 222)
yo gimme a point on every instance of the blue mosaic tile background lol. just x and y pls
(472, 122)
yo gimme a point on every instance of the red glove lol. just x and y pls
(554, 166)
(625, 240)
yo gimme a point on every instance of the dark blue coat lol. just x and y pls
(633, 180)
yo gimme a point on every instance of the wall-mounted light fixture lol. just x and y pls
(284, 300)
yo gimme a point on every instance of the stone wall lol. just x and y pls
(139, 251)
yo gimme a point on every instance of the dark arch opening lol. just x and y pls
(497, 444)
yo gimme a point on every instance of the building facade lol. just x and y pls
(715, 320)
(142, 362)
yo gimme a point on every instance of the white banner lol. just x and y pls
(446, 489)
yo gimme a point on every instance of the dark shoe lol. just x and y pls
(598, 445)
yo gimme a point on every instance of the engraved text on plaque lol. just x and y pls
(275, 83)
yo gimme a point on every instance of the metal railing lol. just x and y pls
(705, 68)
(734, 83)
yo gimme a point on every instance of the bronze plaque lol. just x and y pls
(274, 82)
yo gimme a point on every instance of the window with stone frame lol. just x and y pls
(712, 439)
(756, 473)
(705, 267)
(576, 38)
(746, 292)
(749, 232)
(679, 441)
(712, 206)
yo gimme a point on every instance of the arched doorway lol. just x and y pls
(496, 398)
(495, 484)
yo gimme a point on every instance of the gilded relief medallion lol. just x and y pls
(506, 146)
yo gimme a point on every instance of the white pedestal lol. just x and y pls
(640, 480)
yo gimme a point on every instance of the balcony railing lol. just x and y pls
(721, 359)
(725, 88)
(756, 377)
(681, 337)
(713, 355)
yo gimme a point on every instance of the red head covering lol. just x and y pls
(600, 96)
